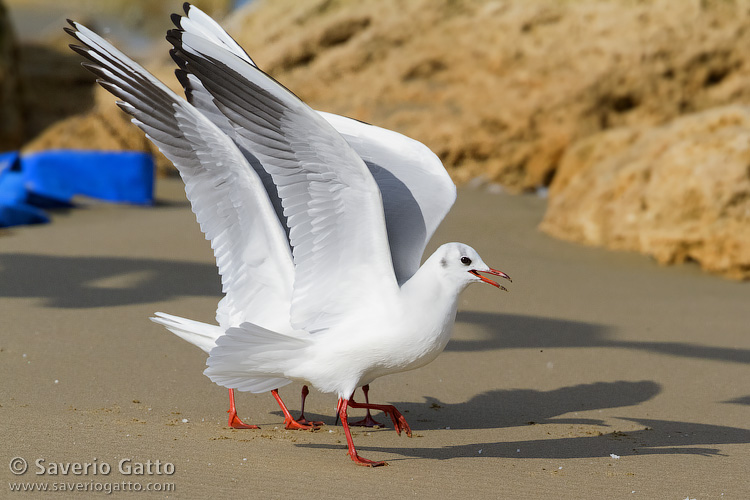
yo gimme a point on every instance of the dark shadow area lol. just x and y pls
(167, 203)
(513, 408)
(508, 331)
(510, 408)
(504, 408)
(658, 437)
(744, 400)
(84, 282)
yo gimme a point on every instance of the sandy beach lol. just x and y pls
(599, 375)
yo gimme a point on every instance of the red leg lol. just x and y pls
(234, 420)
(289, 422)
(341, 411)
(399, 422)
(368, 421)
(302, 420)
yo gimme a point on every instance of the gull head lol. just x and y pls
(463, 264)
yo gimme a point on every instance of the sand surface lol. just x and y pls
(592, 355)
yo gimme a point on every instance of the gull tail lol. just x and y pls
(252, 358)
(199, 334)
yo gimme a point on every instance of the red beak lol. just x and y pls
(494, 272)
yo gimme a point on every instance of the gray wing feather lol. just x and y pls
(229, 201)
(416, 190)
(330, 199)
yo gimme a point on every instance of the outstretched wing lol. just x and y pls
(200, 24)
(330, 199)
(228, 198)
(417, 191)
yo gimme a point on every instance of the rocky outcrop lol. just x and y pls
(678, 192)
(502, 88)
(57, 96)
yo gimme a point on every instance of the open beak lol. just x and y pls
(493, 272)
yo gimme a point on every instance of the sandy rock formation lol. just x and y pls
(502, 88)
(57, 96)
(512, 89)
(678, 192)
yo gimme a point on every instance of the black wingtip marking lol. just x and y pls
(127, 108)
(94, 68)
(109, 86)
(186, 7)
(173, 53)
(182, 77)
(71, 22)
(175, 35)
(176, 19)
(98, 71)
(84, 51)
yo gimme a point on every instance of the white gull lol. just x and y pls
(318, 223)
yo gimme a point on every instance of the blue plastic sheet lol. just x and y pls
(29, 183)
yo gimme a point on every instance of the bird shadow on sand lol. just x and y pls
(87, 282)
(510, 408)
(743, 400)
(516, 408)
(655, 437)
(511, 331)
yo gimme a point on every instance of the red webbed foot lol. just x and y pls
(289, 422)
(236, 423)
(366, 462)
(234, 420)
(304, 425)
(315, 423)
(399, 422)
(368, 421)
(302, 420)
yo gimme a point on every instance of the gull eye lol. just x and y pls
(465, 260)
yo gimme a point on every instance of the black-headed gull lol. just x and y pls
(317, 222)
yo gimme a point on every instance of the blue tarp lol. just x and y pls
(31, 182)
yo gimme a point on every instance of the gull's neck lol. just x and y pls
(430, 289)
(428, 303)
